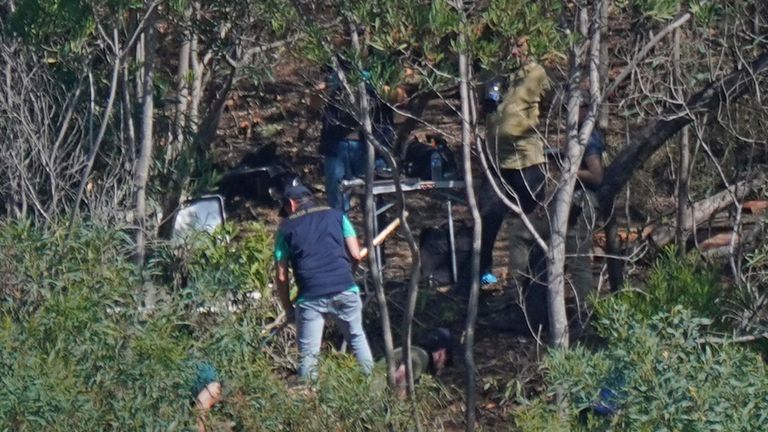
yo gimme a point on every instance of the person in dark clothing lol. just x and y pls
(526, 260)
(342, 141)
(319, 244)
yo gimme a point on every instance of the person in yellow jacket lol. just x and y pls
(515, 148)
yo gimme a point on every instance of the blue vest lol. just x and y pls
(319, 256)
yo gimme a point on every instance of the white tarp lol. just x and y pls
(201, 214)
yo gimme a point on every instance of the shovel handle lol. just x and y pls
(379, 239)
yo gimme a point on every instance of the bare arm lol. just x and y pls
(281, 280)
(353, 247)
(593, 175)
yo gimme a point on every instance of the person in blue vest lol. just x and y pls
(320, 246)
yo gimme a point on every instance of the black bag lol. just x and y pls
(418, 155)
(435, 248)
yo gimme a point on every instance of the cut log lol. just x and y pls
(718, 241)
(704, 210)
(626, 237)
(755, 207)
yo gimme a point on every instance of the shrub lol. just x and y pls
(241, 258)
(77, 353)
(663, 376)
(677, 281)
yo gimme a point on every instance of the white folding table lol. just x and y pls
(387, 186)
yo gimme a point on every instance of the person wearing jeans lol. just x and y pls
(346, 308)
(345, 163)
(320, 245)
(342, 140)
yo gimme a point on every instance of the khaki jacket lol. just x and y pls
(511, 132)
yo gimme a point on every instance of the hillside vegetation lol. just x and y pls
(113, 114)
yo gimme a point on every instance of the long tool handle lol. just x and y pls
(379, 239)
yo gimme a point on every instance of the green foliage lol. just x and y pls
(705, 11)
(64, 25)
(43, 21)
(745, 304)
(346, 399)
(664, 375)
(74, 352)
(508, 20)
(674, 280)
(425, 36)
(240, 255)
(654, 10)
(78, 353)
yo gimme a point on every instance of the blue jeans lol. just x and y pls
(347, 310)
(348, 162)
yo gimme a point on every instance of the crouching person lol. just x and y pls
(206, 390)
(432, 354)
(320, 246)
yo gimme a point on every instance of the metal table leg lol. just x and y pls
(452, 242)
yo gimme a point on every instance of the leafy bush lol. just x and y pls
(662, 375)
(674, 280)
(653, 10)
(241, 257)
(746, 306)
(77, 353)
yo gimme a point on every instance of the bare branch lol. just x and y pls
(643, 52)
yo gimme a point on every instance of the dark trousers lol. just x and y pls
(528, 187)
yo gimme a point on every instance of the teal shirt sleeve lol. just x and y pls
(281, 248)
(346, 227)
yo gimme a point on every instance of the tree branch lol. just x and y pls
(656, 133)
(643, 52)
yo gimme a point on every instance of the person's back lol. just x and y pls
(315, 239)
(511, 132)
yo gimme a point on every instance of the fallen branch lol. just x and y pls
(739, 339)
(704, 209)
(655, 134)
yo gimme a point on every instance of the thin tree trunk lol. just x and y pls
(141, 176)
(370, 215)
(128, 124)
(196, 65)
(474, 291)
(577, 142)
(182, 94)
(684, 156)
(602, 117)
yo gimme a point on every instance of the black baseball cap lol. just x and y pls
(437, 339)
(296, 192)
